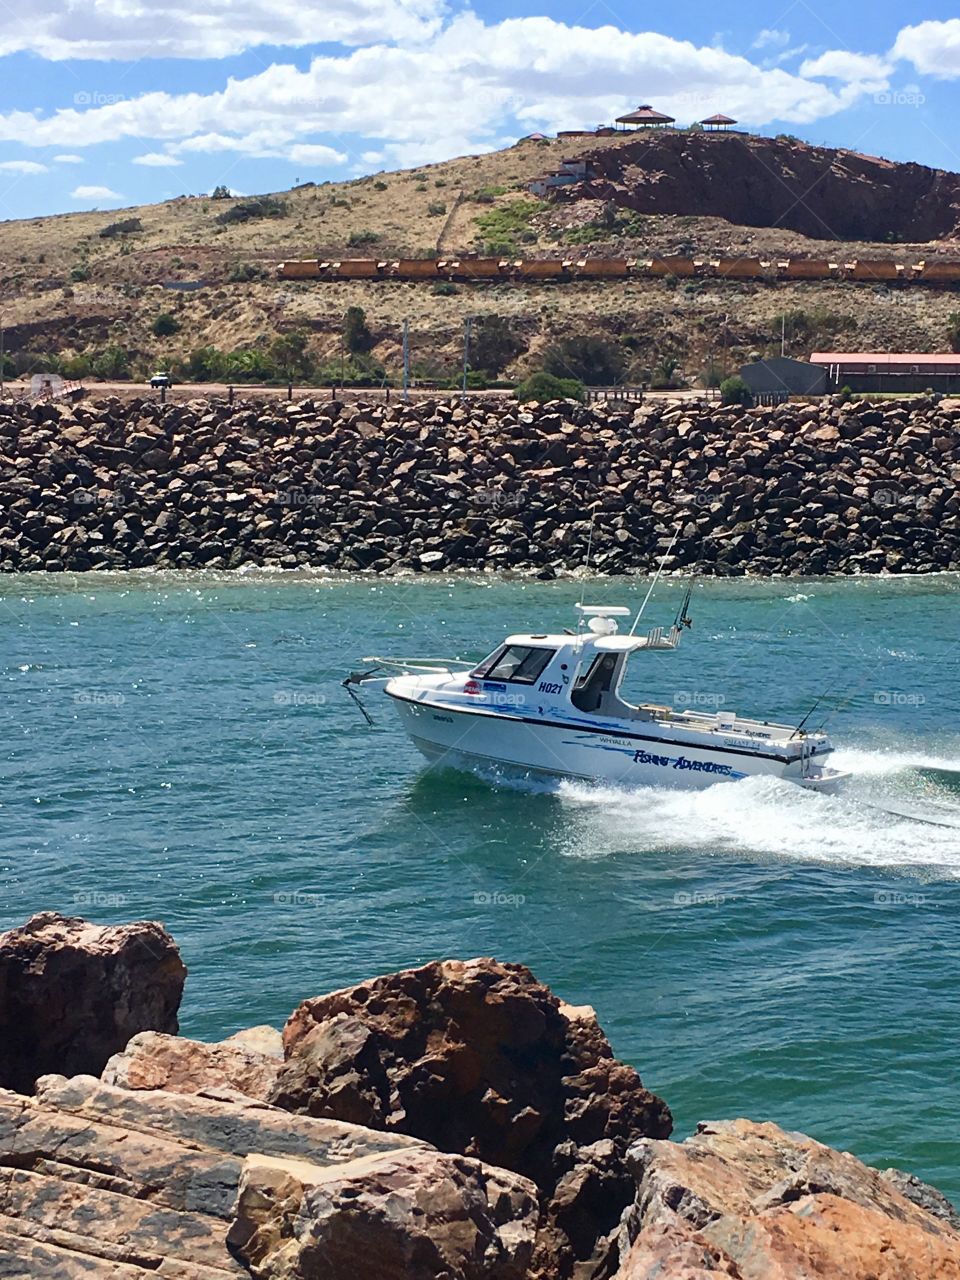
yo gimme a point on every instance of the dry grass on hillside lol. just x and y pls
(63, 288)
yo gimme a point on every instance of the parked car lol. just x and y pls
(161, 380)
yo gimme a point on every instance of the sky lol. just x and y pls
(109, 103)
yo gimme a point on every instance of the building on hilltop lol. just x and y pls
(645, 118)
(718, 123)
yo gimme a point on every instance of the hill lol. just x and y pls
(90, 288)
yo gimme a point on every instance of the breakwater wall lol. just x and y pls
(794, 488)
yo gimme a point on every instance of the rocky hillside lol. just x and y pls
(116, 294)
(796, 489)
(781, 182)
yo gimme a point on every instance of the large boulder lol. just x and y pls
(73, 993)
(754, 1202)
(480, 1059)
(416, 1214)
(152, 1060)
(136, 1184)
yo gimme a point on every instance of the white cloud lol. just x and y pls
(129, 29)
(932, 47)
(94, 193)
(157, 160)
(22, 166)
(852, 68)
(459, 92)
(68, 159)
(771, 38)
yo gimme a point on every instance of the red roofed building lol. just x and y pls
(890, 371)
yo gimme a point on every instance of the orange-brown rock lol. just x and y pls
(480, 1059)
(416, 1214)
(97, 1181)
(754, 1202)
(73, 993)
(152, 1060)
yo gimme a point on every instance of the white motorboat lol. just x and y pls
(552, 705)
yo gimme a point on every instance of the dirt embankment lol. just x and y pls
(772, 182)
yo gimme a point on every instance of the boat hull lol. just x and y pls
(622, 758)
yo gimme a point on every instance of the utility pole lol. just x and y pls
(467, 330)
(2, 370)
(406, 361)
(783, 334)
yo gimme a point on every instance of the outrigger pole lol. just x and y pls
(656, 579)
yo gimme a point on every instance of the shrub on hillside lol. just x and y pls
(542, 387)
(357, 239)
(735, 391)
(259, 207)
(165, 325)
(125, 227)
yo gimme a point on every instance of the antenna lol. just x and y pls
(593, 518)
(656, 579)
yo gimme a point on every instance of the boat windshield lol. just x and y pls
(520, 663)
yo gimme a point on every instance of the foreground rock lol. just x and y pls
(480, 1059)
(751, 1201)
(415, 1214)
(155, 1061)
(73, 993)
(794, 488)
(106, 1182)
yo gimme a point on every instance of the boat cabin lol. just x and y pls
(585, 668)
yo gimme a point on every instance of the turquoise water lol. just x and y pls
(179, 747)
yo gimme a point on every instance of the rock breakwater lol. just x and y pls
(794, 488)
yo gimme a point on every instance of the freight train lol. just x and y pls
(468, 270)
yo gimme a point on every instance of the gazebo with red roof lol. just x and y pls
(717, 122)
(646, 118)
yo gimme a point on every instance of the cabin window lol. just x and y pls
(519, 663)
(590, 690)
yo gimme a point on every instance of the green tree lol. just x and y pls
(291, 357)
(665, 372)
(357, 337)
(165, 325)
(953, 330)
(112, 363)
(221, 193)
(588, 359)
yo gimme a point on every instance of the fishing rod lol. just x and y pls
(656, 578)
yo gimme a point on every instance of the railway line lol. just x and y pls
(470, 270)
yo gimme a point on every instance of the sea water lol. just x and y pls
(179, 747)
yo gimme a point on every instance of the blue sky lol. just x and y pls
(107, 103)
